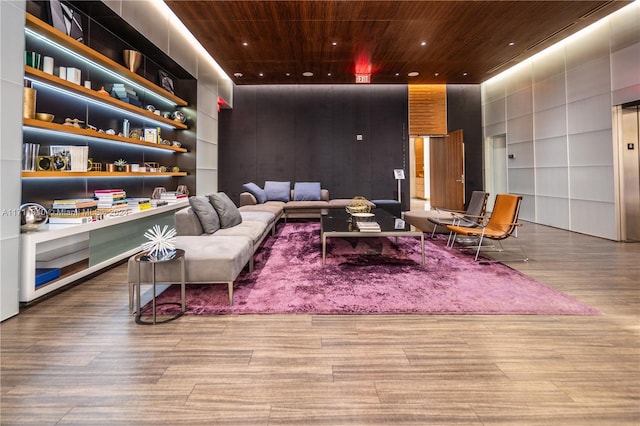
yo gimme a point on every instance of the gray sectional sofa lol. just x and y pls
(306, 200)
(219, 241)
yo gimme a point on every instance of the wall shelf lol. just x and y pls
(69, 174)
(95, 96)
(61, 128)
(122, 248)
(50, 33)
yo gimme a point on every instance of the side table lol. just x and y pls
(143, 258)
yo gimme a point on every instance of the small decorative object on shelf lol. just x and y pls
(157, 192)
(182, 189)
(161, 243)
(132, 59)
(103, 92)
(32, 216)
(120, 165)
(179, 117)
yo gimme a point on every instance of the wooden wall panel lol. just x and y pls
(427, 109)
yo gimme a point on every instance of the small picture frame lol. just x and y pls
(151, 135)
(165, 81)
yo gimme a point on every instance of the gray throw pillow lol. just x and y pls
(207, 215)
(256, 191)
(277, 191)
(306, 191)
(227, 211)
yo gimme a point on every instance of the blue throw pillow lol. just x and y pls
(306, 191)
(277, 191)
(256, 191)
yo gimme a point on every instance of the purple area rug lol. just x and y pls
(372, 276)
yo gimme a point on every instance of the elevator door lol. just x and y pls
(630, 174)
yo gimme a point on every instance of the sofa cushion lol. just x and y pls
(277, 191)
(306, 191)
(265, 218)
(207, 215)
(187, 223)
(256, 191)
(227, 211)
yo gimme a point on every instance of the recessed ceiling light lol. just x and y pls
(436, 74)
(244, 43)
(328, 74)
(334, 43)
(261, 74)
(423, 43)
(397, 74)
(238, 75)
(413, 74)
(288, 74)
(465, 74)
(512, 43)
(307, 74)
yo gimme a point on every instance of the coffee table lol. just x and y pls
(339, 223)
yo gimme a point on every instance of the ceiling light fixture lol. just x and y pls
(423, 43)
(307, 74)
(334, 43)
(238, 75)
(512, 43)
(244, 43)
(413, 74)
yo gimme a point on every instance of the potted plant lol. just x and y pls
(120, 165)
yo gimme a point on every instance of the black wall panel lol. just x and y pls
(308, 133)
(464, 111)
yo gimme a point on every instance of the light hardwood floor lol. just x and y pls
(79, 358)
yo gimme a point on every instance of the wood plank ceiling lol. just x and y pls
(276, 42)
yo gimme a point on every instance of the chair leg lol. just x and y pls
(433, 233)
(479, 246)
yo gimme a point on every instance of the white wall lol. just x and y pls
(158, 26)
(556, 110)
(153, 20)
(12, 15)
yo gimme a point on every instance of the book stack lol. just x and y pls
(139, 204)
(74, 205)
(368, 226)
(111, 199)
(125, 93)
(173, 197)
(74, 211)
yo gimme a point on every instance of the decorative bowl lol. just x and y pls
(43, 116)
(32, 216)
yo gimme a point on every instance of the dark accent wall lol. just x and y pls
(464, 111)
(308, 133)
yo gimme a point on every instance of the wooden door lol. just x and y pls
(419, 167)
(447, 171)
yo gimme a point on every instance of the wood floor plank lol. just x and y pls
(79, 358)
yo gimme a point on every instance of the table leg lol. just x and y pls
(182, 284)
(138, 292)
(153, 295)
(324, 248)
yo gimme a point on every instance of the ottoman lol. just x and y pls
(392, 206)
